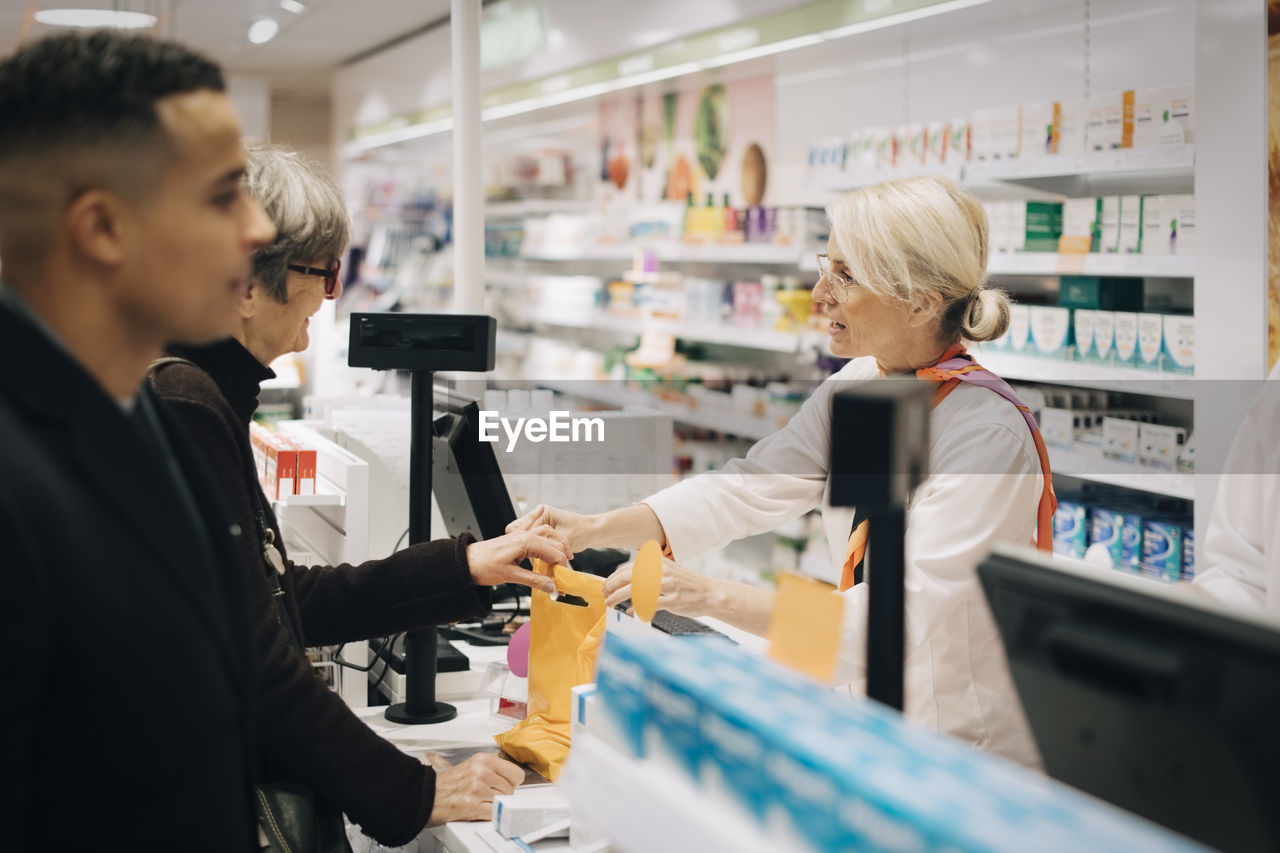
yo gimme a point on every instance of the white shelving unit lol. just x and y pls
(673, 252)
(713, 333)
(1098, 469)
(1051, 263)
(744, 426)
(1106, 377)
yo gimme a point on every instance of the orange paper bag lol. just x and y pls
(563, 639)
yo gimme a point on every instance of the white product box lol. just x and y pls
(1019, 327)
(1155, 227)
(1082, 323)
(1180, 343)
(935, 143)
(1059, 427)
(1120, 438)
(998, 216)
(862, 151)
(1109, 225)
(957, 149)
(1150, 340)
(1180, 215)
(1073, 116)
(1130, 224)
(1109, 123)
(1126, 342)
(1050, 330)
(1016, 226)
(1038, 136)
(1164, 117)
(1104, 335)
(1159, 445)
(996, 133)
(1079, 218)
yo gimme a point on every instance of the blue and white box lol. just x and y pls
(1106, 528)
(1150, 340)
(1071, 529)
(1162, 550)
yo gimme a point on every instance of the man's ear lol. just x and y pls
(101, 226)
(252, 301)
(927, 308)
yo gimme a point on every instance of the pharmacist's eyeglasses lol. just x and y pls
(837, 282)
(330, 277)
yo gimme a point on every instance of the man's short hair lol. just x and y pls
(80, 113)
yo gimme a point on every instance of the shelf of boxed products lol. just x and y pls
(673, 252)
(1094, 263)
(1106, 377)
(703, 416)
(724, 334)
(1091, 465)
(1053, 263)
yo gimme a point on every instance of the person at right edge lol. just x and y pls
(903, 284)
(128, 719)
(308, 734)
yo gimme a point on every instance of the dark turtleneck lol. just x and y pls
(236, 371)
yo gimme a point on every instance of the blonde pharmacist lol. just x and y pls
(902, 283)
(1240, 558)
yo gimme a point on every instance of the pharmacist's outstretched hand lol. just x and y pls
(466, 791)
(684, 591)
(573, 525)
(494, 561)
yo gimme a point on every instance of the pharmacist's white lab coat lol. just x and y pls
(985, 490)
(1239, 562)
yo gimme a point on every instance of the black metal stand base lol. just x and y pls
(440, 713)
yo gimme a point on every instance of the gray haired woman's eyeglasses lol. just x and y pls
(330, 277)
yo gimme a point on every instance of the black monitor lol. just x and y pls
(465, 477)
(1146, 697)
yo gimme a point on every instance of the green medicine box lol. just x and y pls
(1105, 294)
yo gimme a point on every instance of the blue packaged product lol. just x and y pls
(1070, 529)
(1188, 553)
(1162, 549)
(1106, 527)
(1131, 541)
(622, 667)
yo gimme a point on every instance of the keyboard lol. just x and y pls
(677, 625)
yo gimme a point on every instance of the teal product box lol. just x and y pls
(1150, 341)
(1107, 294)
(622, 669)
(1188, 553)
(1106, 527)
(1071, 529)
(671, 722)
(1019, 328)
(1131, 541)
(1043, 226)
(1162, 549)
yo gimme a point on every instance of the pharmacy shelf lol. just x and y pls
(1106, 377)
(711, 333)
(535, 207)
(647, 808)
(327, 494)
(673, 252)
(1052, 263)
(602, 391)
(1094, 467)
(1120, 172)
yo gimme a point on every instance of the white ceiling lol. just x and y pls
(299, 60)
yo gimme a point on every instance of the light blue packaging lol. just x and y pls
(622, 667)
(1070, 529)
(1188, 553)
(1162, 549)
(1106, 527)
(1131, 541)
(671, 725)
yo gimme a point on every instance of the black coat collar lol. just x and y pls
(236, 371)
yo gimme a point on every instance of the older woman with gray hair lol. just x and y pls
(307, 735)
(903, 285)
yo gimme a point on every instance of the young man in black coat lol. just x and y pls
(123, 226)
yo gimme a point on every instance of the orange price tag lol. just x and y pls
(806, 626)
